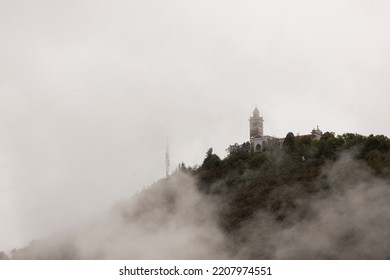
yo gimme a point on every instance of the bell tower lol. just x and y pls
(256, 124)
(256, 131)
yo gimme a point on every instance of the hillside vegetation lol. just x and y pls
(310, 199)
(249, 182)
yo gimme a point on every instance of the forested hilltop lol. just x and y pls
(253, 181)
(310, 199)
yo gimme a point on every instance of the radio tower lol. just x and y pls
(167, 161)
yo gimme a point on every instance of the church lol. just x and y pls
(259, 141)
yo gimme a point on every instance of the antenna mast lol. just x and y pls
(167, 161)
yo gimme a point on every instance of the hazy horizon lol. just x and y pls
(90, 91)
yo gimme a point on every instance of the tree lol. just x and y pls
(289, 143)
(351, 139)
(211, 161)
(257, 160)
(209, 153)
(233, 149)
(303, 145)
(377, 142)
(329, 145)
(238, 152)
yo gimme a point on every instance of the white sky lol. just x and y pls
(90, 91)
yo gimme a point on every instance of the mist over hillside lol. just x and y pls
(170, 219)
(92, 90)
(312, 199)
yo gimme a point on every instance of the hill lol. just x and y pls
(312, 199)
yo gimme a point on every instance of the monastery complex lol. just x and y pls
(259, 141)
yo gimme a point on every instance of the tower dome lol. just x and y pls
(256, 113)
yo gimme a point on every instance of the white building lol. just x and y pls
(259, 141)
(256, 131)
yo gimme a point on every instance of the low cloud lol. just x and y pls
(351, 221)
(173, 220)
(170, 220)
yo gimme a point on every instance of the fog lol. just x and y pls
(349, 222)
(173, 220)
(90, 92)
(169, 221)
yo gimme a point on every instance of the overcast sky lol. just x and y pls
(91, 91)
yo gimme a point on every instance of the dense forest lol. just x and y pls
(250, 182)
(310, 199)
